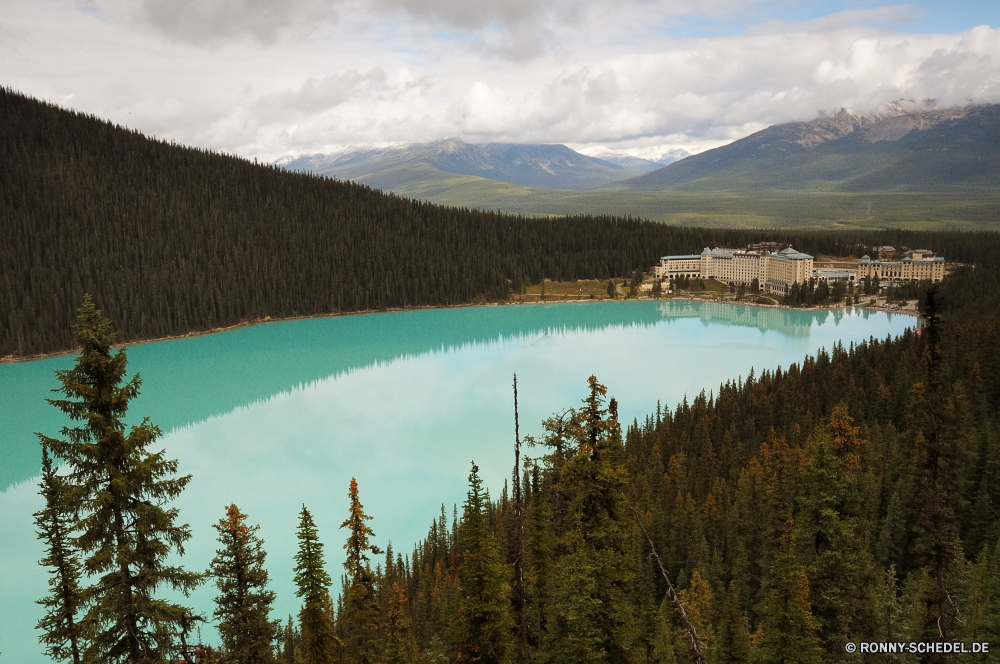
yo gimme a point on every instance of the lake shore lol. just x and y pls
(881, 306)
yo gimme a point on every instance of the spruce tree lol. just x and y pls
(841, 571)
(360, 618)
(937, 544)
(290, 638)
(63, 636)
(982, 597)
(789, 628)
(733, 644)
(121, 490)
(540, 543)
(317, 638)
(595, 565)
(400, 644)
(486, 624)
(519, 596)
(244, 603)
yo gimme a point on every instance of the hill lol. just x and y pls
(170, 240)
(895, 151)
(544, 166)
(918, 169)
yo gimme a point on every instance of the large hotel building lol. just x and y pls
(918, 265)
(775, 272)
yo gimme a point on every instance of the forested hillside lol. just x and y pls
(170, 240)
(852, 497)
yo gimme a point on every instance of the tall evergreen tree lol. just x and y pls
(63, 637)
(937, 543)
(595, 564)
(244, 603)
(290, 638)
(841, 571)
(519, 597)
(359, 620)
(733, 645)
(486, 623)
(400, 644)
(317, 638)
(121, 489)
(539, 545)
(789, 628)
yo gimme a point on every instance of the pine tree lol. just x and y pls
(937, 543)
(483, 582)
(359, 620)
(595, 564)
(539, 555)
(63, 636)
(317, 637)
(519, 597)
(733, 645)
(121, 490)
(841, 571)
(790, 630)
(400, 644)
(290, 638)
(982, 597)
(244, 603)
(697, 601)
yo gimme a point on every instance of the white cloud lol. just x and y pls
(264, 79)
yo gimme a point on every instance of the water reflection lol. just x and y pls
(190, 380)
(274, 416)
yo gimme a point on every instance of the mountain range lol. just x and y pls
(895, 150)
(544, 166)
(898, 149)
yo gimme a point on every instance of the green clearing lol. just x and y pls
(973, 209)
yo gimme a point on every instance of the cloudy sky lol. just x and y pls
(267, 78)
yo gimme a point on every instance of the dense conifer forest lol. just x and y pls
(851, 498)
(170, 240)
(854, 496)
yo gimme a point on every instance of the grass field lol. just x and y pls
(593, 289)
(584, 289)
(974, 209)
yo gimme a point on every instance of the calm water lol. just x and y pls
(275, 416)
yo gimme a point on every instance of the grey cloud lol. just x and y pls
(211, 22)
(894, 15)
(317, 95)
(469, 14)
(603, 89)
(403, 80)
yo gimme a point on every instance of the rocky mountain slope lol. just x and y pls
(895, 150)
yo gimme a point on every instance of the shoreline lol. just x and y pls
(18, 359)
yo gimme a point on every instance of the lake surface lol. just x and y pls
(275, 416)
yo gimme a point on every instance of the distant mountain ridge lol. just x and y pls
(626, 160)
(902, 147)
(897, 149)
(529, 165)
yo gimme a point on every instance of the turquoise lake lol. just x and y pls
(275, 416)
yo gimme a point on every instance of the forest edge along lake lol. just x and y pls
(274, 416)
